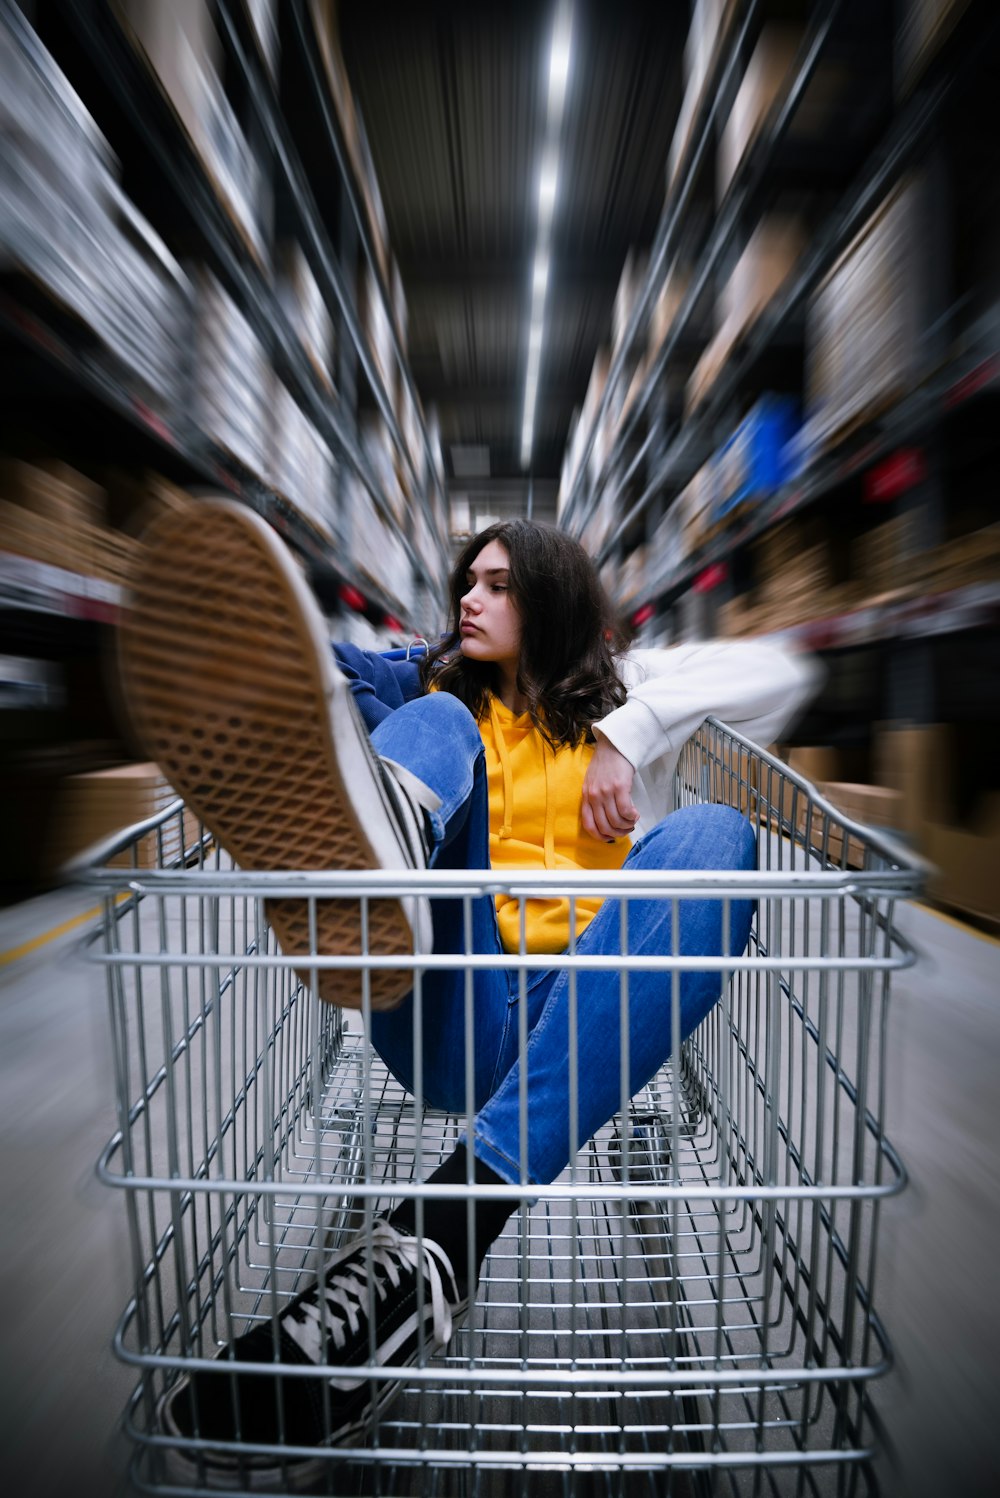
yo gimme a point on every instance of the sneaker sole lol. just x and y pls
(230, 681)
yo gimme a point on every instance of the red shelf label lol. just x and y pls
(353, 599)
(711, 577)
(904, 470)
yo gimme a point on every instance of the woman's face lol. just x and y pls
(489, 623)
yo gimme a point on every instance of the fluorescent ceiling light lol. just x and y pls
(540, 275)
(559, 62)
(535, 337)
(547, 184)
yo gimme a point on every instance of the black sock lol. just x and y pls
(446, 1218)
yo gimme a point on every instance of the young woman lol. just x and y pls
(522, 740)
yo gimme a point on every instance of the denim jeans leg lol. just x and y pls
(696, 837)
(437, 738)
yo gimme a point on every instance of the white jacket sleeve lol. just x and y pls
(755, 686)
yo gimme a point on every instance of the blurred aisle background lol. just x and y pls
(713, 284)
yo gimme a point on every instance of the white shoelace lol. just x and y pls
(346, 1294)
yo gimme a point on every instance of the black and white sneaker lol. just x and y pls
(405, 1284)
(229, 678)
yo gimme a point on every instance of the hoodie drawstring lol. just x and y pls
(549, 839)
(508, 777)
(548, 765)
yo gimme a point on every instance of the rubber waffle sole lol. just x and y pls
(228, 678)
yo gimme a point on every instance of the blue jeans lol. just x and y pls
(437, 738)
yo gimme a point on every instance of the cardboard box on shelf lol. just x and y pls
(632, 575)
(326, 21)
(629, 287)
(300, 465)
(779, 547)
(916, 761)
(595, 387)
(384, 561)
(410, 418)
(863, 344)
(921, 763)
(382, 457)
(375, 320)
(91, 807)
(966, 861)
(815, 761)
(52, 490)
(52, 514)
(666, 547)
(771, 254)
(792, 592)
(233, 165)
(708, 32)
(232, 377)
(667, 305)
(959, 563)
(841, 598)
(305, 307)
(694, 509)
(866, 805)
(732, 617)
(707, 370)
(880, 559)
(871, 805)
(638, 380)
(767, 77)
(183, 48)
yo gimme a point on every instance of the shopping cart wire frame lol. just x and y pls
(693, 1296)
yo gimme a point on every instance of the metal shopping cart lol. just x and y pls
(688, 1309)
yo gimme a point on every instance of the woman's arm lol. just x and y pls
(607, 809)
(756, 686)
(379, 683)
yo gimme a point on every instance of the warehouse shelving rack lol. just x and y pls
(68, 390)
(914, 651)
(122, 91)
(654, 452)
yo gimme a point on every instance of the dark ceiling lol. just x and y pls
(453, 96)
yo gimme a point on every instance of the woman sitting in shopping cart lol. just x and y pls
(523, 740)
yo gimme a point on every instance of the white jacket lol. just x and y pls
(756, 687)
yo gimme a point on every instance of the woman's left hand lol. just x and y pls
(607, 810)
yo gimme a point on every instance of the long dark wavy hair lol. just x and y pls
(569, 642)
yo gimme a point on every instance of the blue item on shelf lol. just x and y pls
(754, 463)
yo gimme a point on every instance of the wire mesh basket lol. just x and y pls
(689, 1308)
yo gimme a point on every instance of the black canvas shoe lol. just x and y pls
(417, 1302)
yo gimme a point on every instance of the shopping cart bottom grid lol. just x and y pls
(687, 1309)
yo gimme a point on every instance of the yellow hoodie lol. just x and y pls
(534, 794)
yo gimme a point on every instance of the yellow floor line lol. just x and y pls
(953, 920)
(35, 943)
